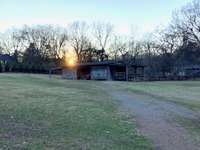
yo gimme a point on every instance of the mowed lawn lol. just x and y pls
(40, 113)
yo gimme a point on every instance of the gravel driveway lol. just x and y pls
(155, 120)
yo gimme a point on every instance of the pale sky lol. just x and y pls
(141, 15)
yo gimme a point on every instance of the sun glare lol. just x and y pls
(70, 60)
(71, 63)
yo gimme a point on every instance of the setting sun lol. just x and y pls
(70, 60)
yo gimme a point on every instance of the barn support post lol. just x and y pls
(109, 73)
(75, 74)
(3, 65)
(127, 73)
(50, 72)
(143, 78)
(135, 73)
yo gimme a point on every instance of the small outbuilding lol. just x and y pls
(191, 71)
(4, 60)
(106, 70)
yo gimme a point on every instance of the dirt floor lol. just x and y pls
(155, 120)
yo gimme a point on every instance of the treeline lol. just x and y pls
(33, 49)
(38, 48)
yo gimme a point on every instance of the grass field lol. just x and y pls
(39, 113)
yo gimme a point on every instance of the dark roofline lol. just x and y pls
(191, 66)
(97, 63)
(103, 63)
(108, 63)
(6, 57)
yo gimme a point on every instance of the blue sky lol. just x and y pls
(141, 15)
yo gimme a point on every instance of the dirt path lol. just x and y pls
(155, 120)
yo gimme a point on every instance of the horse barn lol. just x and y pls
(107, 70)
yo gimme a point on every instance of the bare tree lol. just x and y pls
(58, 38)
(126, 48)
(118, 47)
(48, 39)
(79, 39)
(134, 50)
(166, 41)
(102, 33)
(11, 41)
(186, 22)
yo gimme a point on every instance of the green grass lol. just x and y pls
(185, 93)
(37, 113)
